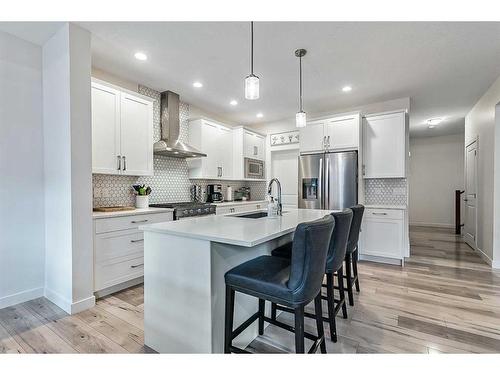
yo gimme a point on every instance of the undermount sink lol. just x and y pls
(253, 215)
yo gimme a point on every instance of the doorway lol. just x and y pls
(470, 197)
(284, 166)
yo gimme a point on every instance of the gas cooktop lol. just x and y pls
(188, 209)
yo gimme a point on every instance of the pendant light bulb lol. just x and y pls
(251, 81)
(300, 117)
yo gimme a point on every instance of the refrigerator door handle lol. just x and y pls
(320, 184)
(327, 184)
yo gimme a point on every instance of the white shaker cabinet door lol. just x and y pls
(384, 138)
(105, 129)
(312, 137)
(224, 152)
(382, 238)
(342, 133)
(209, 145)
(136, 136)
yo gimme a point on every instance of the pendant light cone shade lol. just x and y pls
(252, 87)
(300, 117)
(251, 81)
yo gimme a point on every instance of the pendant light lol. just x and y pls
(300, 117)
(251, 81)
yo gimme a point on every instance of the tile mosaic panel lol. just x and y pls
(386, 191)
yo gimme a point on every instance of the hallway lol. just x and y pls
(445, 300)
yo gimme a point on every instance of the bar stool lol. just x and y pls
(334, 264)
(292, 283)
(351, 257)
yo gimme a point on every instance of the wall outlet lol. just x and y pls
(398, 191)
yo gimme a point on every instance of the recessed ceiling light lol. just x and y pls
(260, 115)
(346, 88)
(233, 102)
(197, 84)
(434, 121)
(432, 126)
(140, 56)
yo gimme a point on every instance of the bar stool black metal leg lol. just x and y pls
(273, 311)
(340, 280)
(299, 329)
(349, 279)
(331, 306)
(355, 269)
(318, 310)
(228, 329)
(262, 305)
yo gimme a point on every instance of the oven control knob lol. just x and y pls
(207, 209)
(199, 210)
(185, 212)
(191, 212)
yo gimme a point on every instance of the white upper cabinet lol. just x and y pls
(217, 142)
(333, 134)
(122, 131)
(246, 144)
(253, 145)
(384, 146)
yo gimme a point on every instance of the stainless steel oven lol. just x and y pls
(254, 168)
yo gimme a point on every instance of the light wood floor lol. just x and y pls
(445, 300)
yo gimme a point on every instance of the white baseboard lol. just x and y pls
(426, 224)
(68, 306)
(25, 295)
(485, 256)
(495, 264)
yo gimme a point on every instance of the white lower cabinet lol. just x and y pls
(119, 250)
(240, 207)
(383, 234)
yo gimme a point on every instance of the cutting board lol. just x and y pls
(113, 208)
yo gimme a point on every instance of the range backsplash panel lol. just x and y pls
(386, 191)
(170, 182)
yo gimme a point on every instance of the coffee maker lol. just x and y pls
(214, 193)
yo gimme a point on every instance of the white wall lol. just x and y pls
(480, 123)
(21, 171)
(68, 167)
(436, 170)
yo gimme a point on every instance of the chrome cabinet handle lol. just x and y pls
(139, 221)
(221, 171)
(255, 150)
(364, 169)
(134, 241)
(137, 265)
(379, 213)
(124, 163)
(324, 141)
(328, 142)
(119, 162)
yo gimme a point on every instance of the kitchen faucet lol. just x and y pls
(269, 189)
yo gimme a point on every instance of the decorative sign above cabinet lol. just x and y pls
(284, 138)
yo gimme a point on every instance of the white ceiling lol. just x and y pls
(443, 67)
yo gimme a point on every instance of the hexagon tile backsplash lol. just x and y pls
(170, 182)
(386, 191)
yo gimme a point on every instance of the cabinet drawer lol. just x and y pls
(383, 214)
(118, 244)
(129, 222)
(118, 271)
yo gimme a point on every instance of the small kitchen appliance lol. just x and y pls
(214, 193)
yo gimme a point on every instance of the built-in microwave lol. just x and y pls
(254, 168)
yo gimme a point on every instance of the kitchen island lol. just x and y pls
(185, 262)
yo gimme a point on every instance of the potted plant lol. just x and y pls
(141, 195)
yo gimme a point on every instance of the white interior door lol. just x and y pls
(470, 198)
(284, 166)
(136, 135)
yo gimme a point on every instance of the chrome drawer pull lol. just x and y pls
(139, 221)
(134, 241)
(379, 213)
(138, 265)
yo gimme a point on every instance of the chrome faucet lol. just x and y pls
(269, 189)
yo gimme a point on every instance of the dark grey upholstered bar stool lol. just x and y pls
(351, 257)
(292, 283)
(334, 264)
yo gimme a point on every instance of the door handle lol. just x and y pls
(324, 142)
(135, 241)
(124, 163)
(119, 162)
(327, 185)
(139, 221)
(137, 265)
(379, 213)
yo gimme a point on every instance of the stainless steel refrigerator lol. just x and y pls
(328, 181)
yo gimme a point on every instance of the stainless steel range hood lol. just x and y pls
(170, 144)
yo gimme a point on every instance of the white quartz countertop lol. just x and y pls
(137, 211)
(237, 203)
(239, 231)
(386, 206)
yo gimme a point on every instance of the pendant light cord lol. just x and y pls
(251, 47)
(300, 81)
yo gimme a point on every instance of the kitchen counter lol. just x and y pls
(386, 206)
(237, 203)
(137, 211)
(233, 230)
(184, 267)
